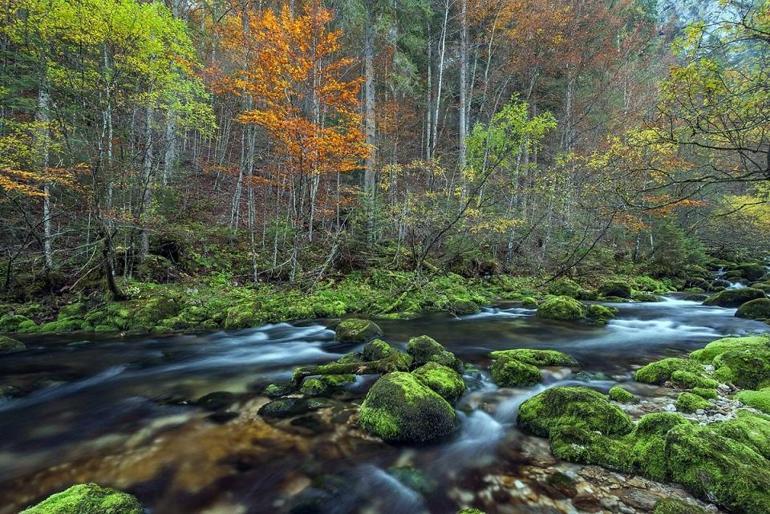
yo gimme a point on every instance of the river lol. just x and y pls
(121, 411)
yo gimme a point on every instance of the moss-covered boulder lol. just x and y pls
(755, 309)
(689, 402)
(354, 330)
(749, 429)
(745, 368)
(13, 322)
(600, 314)
(707, 354)
(376, 350)
(734, 297)
(718, 469)
(752, 272)
(690, 380)
(621, 395)
(562, 308)
(759, 400)
(324, 385)
(538, 358)
(87, 499)
(289, 407)
(575, 407)
(8, 344)
(445, 381)
(424, 349)
(565, 287)
(400, 408)
(705, 392)
(278, 390)
(659, 372)
(514, 373)
(616, 289)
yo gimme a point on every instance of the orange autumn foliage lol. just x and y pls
(295, 79)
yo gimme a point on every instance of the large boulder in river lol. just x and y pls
(424, 349)
(755, 309)
(734, 297)
(8, 344)
(400, 408)
(752, 272)
(354, 330)
(514, 373)
(574, 407)
(615, 288)
(563, 308)
(87, 499)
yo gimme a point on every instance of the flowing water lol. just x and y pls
(122, 411)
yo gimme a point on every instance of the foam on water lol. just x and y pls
(493, 312)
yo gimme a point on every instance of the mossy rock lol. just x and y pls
(752, 272)
(400, 408)
(616, 289)
(376, 350)
(445, 381)
(755, 309)
(354, 330)
(424, 349)
(734, 297)
(677, 506)
(529, 302)
(689, 403)
(289, 407)
(565, 287)
(705, 392)
(760, 400)
(324, 385)
(88, 499)
(539, 358)
(621, 395)
(690, 380)
(278, 390)
(470, 510)
(562, 308)
(707, 354)
(572, 406)
(648, 284)
(600, 314)
(659, 372)
(13, 322)
(718, 469)
(745, 368)
(762, 286)
(508, 372)
(414, 479)
(8, 344)
(749, 429)
(461, 307)
(642, 296)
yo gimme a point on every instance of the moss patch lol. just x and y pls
(688, 402)
(720, 346)
(539, 358)
(621, 395)
(424, 349)
(734, 297)
(563, 308)
(445, 381)
(659, 372)
(755, 309)
(513, 373)
(356, 330)
(760, 400)
(87, 499)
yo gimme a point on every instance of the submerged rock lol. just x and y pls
(400, 408)
(445, 381)
(88, 499)
(8, 344)
(734, 297)
(563, 308)
(354, 330)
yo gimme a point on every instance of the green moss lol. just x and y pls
(13, 322)
(539, 358)
(748, 429)
(277, 390)
(514, 373)
(616, 289)
(399, 407)
(424, 349)
(324, 385)
(413, 478)
(755, 309)
(690, 380)
(354, 330)
(650, 285)
(621, 395)
(470, 510)
(87, 499)
(529, 303)
(734, 297)
(376, 350)
(676, 506)
(760, 400)
(561, 308)
(688, 402)
(8, 344)
(600, 314)
(659, 372)
(445, 381)
(745, 368)
(720, 346)
(565, 287)
(707, 393)
(718, 469)
(572, 406)
(640, 296)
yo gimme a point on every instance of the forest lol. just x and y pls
(434, 228)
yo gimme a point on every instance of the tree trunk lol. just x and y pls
(442, 53)
(369, 120)
(463, 83)
(43, 117)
